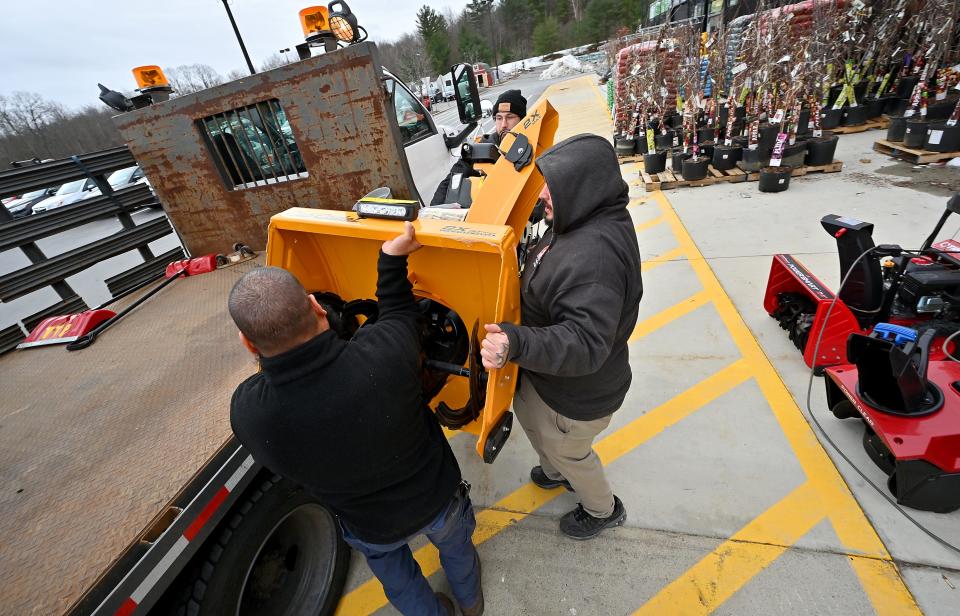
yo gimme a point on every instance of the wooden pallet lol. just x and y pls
(881, 123)
(668, 180)
(911, 155)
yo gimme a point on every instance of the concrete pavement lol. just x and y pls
(733, 506)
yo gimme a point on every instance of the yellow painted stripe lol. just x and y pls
(668, 315)
(672, 255)
(882, 583)
(649, 224)
(720, 574)
(369, 597)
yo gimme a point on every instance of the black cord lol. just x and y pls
(826, 437)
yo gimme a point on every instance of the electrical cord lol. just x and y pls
(830, 441)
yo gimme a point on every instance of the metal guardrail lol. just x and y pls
(52, 271)
(19, 283)
(32, 228)
(33, 177)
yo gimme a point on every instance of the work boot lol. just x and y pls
(447, 603)
(578, 524)
(540, 478)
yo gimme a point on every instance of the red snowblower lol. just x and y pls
(886, 345)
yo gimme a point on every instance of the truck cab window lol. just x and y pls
(411, 116)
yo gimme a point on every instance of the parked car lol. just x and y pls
(71, 192)
(121, 178)
(22, 206)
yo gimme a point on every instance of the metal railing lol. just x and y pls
(43, 271)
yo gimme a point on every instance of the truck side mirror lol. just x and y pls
(465, 91)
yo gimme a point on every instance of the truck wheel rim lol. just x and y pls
(292, 571)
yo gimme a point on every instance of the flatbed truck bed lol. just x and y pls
(95, 444)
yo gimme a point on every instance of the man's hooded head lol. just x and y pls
(583, 178)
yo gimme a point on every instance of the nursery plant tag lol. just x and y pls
(651, 144)
(883, 84)
(785, 58)
(739, 68)
(778, 116)
(857, 4)
(777, 157)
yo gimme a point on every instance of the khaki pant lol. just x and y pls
(565, 447)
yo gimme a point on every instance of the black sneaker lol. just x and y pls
(540, 478)
(578, 524)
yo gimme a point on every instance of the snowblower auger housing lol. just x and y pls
(466, 275)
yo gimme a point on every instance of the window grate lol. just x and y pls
(253, 145)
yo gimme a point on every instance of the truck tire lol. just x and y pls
(280, 552)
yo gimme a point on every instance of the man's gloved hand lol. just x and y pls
(495, 348)
(403, 244)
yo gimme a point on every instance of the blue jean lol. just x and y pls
(403, 582)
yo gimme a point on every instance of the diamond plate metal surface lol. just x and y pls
(94, 443)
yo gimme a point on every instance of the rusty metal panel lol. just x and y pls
(342, 123)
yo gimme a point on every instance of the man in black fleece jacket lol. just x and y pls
(580, 295)
(347, 421)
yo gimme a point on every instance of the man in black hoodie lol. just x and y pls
(346, 420)
(580, 295)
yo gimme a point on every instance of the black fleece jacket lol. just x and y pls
(347, 421)
(581, 286)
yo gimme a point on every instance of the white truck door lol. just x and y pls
(427, 153)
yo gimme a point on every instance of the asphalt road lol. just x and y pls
(529, 85)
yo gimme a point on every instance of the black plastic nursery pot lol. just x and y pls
(655, 162)
(830, 118)
(768, 136)
(916, 133)
(897, 128)
(834, 93)
(803, 122)
(640, 145)
(775, 179)
(820, 150)
(624, 147)
(664, 140)
(705, 133)
(941, 110)
(754, 160)
(676, 160)
(706, 149)
(906, 86)
(860, 90)
(854, 116)
(942, 138)
(794, 155)
(695, 168)
(891, 104)
(874, 107)
(725, 157)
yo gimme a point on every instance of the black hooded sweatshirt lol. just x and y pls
(347, 421)
(581, 286)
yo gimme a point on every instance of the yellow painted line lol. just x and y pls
(649, 224)
(880, 579)
(670, 314)
(653, 262)
(369, 597)
(720, 574)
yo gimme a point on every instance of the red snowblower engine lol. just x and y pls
(886, 344)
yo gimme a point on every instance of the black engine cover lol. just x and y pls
(925, 281)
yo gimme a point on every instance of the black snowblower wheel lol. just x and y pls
(281, 552)
(795, 314)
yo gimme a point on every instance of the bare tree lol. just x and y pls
(273, 61)
(189, 78)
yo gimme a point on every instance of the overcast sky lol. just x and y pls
(62, 48)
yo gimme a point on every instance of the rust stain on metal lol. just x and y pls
(338, 113)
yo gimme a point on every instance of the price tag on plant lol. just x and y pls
(651, 144)
(777, 157)
(778, 116)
